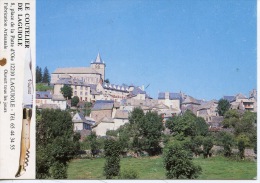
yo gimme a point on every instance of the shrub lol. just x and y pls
(178, 163)
(112, 155)
(59, 170)
(128, 174)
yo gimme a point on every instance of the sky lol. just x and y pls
(204, 48)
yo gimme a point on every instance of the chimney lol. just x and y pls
(167, 95)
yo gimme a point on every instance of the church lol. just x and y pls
(91, 75)
(88, 83)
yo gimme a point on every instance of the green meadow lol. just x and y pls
(152, 168)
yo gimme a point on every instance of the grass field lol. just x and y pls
(152, 168)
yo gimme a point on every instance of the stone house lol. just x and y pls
(104, 124)
(121, 118)
(172, 100)
(45, 99)
(101, 109)
(81, 123)
(207, 110)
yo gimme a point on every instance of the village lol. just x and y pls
(111, 104)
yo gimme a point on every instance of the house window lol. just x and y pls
(81, 93)
(86, 93)
(75, 93)
(81, 87)
(75, 87)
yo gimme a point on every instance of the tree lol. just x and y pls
(247, 124)
(75, 101)
(87, 108)
(178, 162)
(223, 106)
(66, 91)
(46, 76)
(182, 126)
(112, 155)
(196, 144)
(241, 148)
(146, 131)
(201, 127)
(207, 146)
(227, 140)
(231, 118)
(56, 143)
(38, 74)
(151, 133)
(106, 81)
(136, 117)
(94, 146)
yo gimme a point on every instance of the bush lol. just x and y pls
(112, 155)
(128, 174)
(59, 170)
(178, 163)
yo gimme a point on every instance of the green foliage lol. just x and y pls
(112, 155)
(112, 133)
(223, 107)
(196, 144)
(182, 125)
(46, 76)
(207, 146)
(241, 148)
(59, 170)
(74, 101)
(187, 125)
(247, 124)
(87, 108)
(43, 87)
(227, 141)
(38, 75)
(146, 131)
(128, 174)
(178, 162)
(56, 142)
(106, 81)
(231, 118)
(201, 127)
(151, 131)
(66, 91)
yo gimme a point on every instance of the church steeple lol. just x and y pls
(98, 60)
(99, 65)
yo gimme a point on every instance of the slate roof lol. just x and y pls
(98, 60)
(104, 120)
(207, 105)
(103, 105)
(115, 87)
(241, 96)
(121, 114)
(203, 112)
(172, 96)
(217, 119)
(70, 81)
(58, 98)
(78, 117)
(49, 106)
(43, 95)
(229, 98)
(190, 100)
(75, 70)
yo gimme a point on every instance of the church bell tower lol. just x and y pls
(99, 65)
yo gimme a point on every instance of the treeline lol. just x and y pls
(42, 77)
(145, 135)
